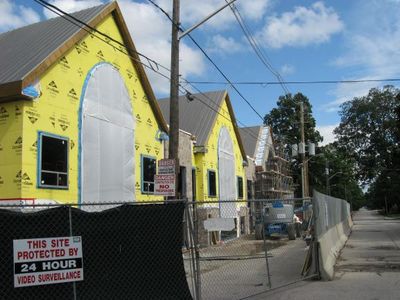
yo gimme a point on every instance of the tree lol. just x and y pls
(369, 133)
(285, 123)
(342, 185)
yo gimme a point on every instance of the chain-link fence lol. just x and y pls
(265, 246)
(169, 250)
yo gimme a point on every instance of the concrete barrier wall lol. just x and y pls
(332, 223)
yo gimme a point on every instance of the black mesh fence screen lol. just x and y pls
(128, 252)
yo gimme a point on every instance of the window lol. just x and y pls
(212, 183)
(249, 190)
(240, 187)
(148, 172)
(53, 161)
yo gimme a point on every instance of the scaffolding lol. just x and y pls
(275, 181)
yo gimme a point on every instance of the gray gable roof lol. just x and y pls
(26, 53)
(197, 116)
(23, 49)
(250, 136)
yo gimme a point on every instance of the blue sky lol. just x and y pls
(304, 40)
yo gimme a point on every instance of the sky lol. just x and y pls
(302, 41)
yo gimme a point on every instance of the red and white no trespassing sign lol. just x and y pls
(47, 261)
(164, 185)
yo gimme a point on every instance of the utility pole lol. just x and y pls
(173, 148)
(304, 181)
(173, 152)
(327, 176)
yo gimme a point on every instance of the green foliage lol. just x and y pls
(342, 181)
(285, 121)
(369, 134)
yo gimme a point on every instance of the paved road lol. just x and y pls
(246, 273)
(368, 268)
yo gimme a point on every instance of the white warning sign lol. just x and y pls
(164, 185)
(47, 261)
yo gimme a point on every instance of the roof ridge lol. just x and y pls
(50, 19)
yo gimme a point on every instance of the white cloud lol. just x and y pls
(287, 69)
(372, 48)
(70, 6)
(327, 133)
(302, 27)
(192, 11)
(223, 45)
(13, 16)
(151, 32)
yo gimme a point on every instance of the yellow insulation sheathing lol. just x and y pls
(11, 141)
(56, 111)
(209, 160)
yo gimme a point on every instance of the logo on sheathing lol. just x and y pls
(81, 48)
(129, 73)
(25, 179)
(52, 86)
(72, 144)
(1, 180)
(3, 114)
(18, 176)
(34, 147)
(64, 62)
(72, 94)
(17, 111)
(32, 119)
(100, 55)
(17, 144)
(64, 124)
(33, 116)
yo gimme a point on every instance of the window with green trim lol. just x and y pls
(240, 187)
(148, 171)
(212, 183)
(53, 161)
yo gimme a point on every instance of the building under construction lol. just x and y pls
(274, 181)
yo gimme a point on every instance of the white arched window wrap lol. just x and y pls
(107, 128)
(226, 174)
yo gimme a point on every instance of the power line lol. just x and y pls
(210, 60)
(298, 82)
(82, 25)
(257, 49)
(76, 22)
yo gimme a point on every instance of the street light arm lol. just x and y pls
(186, 32)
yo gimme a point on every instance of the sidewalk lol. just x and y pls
(368, 267)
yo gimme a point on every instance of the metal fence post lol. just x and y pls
(71, 234)
(194, 253)
(265, 245)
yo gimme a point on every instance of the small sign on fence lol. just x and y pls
(47, 261)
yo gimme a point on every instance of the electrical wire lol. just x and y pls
(257, 49)
(299, 82)
(82, 25)
(210, 60)
(72, 19)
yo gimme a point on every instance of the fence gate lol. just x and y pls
(265, 256)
